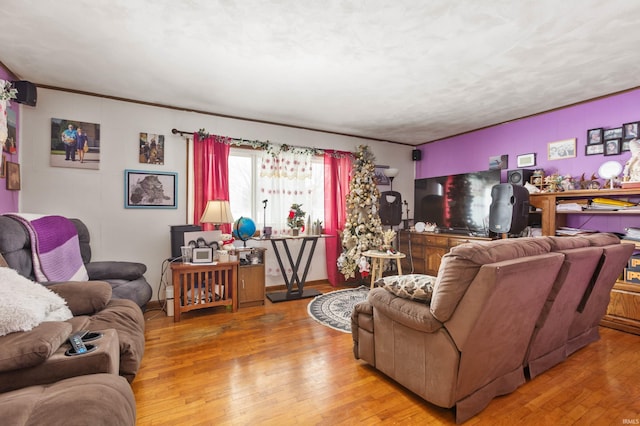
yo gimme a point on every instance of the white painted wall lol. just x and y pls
(97, 196)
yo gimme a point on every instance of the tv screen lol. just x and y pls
(456, 203)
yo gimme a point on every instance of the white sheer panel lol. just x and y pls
(283, 180)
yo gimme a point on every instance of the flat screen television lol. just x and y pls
(456, 203)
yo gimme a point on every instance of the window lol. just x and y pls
(247, 199)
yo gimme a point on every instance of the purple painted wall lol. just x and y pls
(471, 151)
(9, 199)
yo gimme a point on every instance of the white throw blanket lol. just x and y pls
(25, 304)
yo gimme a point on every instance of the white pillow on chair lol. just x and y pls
(25, 304)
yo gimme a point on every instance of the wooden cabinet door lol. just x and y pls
(434, 256)
(251, 290)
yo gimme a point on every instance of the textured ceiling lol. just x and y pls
(403, 71)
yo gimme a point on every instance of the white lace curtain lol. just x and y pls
(284, 179)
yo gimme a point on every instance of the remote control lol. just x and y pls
(77, 343)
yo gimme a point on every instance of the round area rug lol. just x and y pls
(334, 309)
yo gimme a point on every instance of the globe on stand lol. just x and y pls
(244, 228)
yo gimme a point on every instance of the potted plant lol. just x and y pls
(296, 218)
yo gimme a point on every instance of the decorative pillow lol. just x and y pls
(25, 304)
(413, 286)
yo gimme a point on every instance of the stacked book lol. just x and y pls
(632, 234)
(600, 203)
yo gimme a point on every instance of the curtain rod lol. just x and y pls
(265, 145)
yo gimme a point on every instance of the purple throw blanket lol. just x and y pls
(55, 247)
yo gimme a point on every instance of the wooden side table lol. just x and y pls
(377, 263)
(199, 286)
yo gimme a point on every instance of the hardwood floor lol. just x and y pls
(273, 364)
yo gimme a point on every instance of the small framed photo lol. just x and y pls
(630, 130)
(612, 146)
(202, 255)
(13, 176)
(526, 160)
(150, 190)
(615, 133)
(594, 149)
(559, 150)
(594, 136)
(625, 146)
(3, 166)
(498, 162)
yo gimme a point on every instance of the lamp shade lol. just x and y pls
(390, 172)
(217, 212)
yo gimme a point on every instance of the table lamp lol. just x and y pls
(391, 173)
(217, 212)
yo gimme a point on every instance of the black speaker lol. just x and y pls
(416, 155)
(390, 208)
(177, 237)
(519, 176)
(509, 211)
(27, 93)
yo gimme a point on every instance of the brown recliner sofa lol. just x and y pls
(488, 320)
(578, 299)
(35, 368)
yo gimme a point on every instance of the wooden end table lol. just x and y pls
(377, 262)
(199, 286)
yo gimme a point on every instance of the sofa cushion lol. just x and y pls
(413, 286)
(459, 267)
(95, 399)
(567, 243)
(602, 239)
(25, 304)
(29, 348)
(114, 270)
(84, 297)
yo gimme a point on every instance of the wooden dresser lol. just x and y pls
(424, 250)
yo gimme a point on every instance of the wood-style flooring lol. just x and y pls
(275, 365)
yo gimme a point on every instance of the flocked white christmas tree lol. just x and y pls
(363, 229)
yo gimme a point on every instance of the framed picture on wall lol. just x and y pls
(498, 162)
(13, 176)
(612, 146)
(613, 133)
(594, 149)
(559, 150)
(150, 190)
(630, 130)
(526, 160)
(151, 148)
(74, 144)
(594, 136)
(381, 178)
(625, 146)
(3, 166)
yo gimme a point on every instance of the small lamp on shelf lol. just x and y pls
(391, 173)
(217, 212)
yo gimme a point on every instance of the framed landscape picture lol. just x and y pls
(150, 190)
(562, 149)
(526, 160)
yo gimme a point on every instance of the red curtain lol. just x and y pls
(337, 174)
(210, 175)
